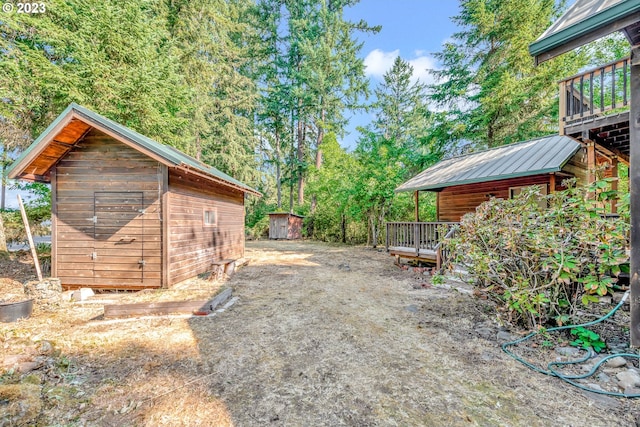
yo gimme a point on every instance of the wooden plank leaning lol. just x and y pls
(34, 253)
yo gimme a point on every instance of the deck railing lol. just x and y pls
(417, 236)
(595, 92)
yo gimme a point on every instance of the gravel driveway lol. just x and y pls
(332, 335)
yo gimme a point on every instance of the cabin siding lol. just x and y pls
(194, 246)
(105, 178)
(453, 202)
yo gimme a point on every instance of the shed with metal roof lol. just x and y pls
(464, 182)
(127, 211)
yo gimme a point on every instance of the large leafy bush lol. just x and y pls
(542, 263)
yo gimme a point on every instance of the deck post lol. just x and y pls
(417, 205)
(614, 183)
(416, 236)
(634, 184)
(386, 246)
(591, 161)
(562, 110)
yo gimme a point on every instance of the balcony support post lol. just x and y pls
(614, 183)
(634, 184)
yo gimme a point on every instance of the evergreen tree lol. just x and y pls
(402, 116)
(315, 74)
(212, 42)
(488, 83)
(113, 57)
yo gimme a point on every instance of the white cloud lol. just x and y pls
(378, 62)
(420, 66)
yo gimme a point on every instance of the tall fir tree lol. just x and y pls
(488, 83)
(212, 42)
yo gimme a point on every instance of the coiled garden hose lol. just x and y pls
(569, 378)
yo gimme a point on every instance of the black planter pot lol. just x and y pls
(12, 311)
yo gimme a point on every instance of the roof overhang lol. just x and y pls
(440, 187)
(540, 156)
(584, 22)
(72, 125)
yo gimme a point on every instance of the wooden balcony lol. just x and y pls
(594, 105)
(421, 241)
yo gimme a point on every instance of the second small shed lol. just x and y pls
(284, 225)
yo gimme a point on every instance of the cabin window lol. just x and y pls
(210, 217)
(542, 202)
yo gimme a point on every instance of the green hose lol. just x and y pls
(569, 378)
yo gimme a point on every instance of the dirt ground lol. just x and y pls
(321, 335)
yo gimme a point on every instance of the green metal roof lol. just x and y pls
(583, 22)
(169, 155)
(534, 157)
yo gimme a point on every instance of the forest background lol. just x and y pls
(264, 89)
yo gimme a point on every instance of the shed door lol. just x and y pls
(118, 238)
(282, 227)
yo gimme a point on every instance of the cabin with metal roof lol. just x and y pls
(462, 183)
(127, 211)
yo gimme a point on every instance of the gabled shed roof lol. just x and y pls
(584, 22)
(75, 121)
(534, 157)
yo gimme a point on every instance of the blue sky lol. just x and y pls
(413, 29)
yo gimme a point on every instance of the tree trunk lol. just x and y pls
(291, 197)
(278, 171)
(319, 141)
(3, 237)
(380, 221)
(369, 231)
(198, 147)
(374, 231)
(343, 226)
(300, 160)
(3, 179)
(3, 188)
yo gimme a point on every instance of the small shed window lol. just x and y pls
(210, 217)
(542, 202)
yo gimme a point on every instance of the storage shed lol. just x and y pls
(127, 211)
(284, 225)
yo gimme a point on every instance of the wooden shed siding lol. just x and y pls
(285, 226)
(195, 246)
(100, 166)
(453, 202)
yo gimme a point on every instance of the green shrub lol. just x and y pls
(260, 228)
(587, 339)
(540, 264)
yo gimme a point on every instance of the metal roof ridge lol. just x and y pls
(500, 147)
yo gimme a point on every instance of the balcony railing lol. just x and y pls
(419, 239)
(594, 92)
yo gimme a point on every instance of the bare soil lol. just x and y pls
(321, 336)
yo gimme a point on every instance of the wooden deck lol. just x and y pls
(420, 241)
